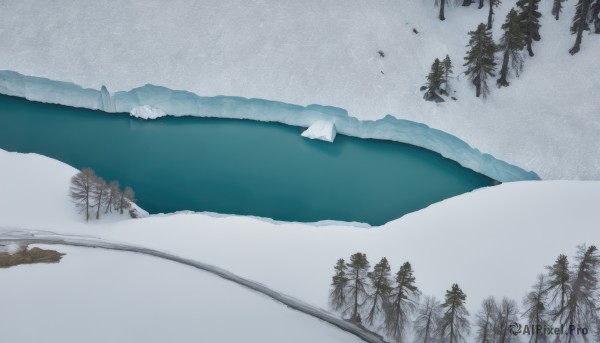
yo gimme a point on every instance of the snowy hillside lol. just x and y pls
(94, 295)
(493, 241)
(326, 52)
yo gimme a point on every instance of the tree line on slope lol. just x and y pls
(520, 30)
(565, 296)
(93, 196)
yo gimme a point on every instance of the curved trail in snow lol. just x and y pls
(25, 238)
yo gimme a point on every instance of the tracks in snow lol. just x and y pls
(25, 237)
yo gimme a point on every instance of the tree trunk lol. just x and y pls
(467, 3)
(99, 203)
(477, 83)
(480, 4)
(355, 312)
(490, 15)
(585, 6)
(502, 82)
(442, 5)
(529, 49)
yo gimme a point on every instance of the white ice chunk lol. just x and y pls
(147, 112)
(321, 129)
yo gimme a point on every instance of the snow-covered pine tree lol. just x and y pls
(558, 285)
(511, 44)
(428, 315)
(582, 305)
(339, 283)
(535, 308)
(448, 70)
(486, 319)
(580, 23)
(358, 267)
(480, 59)
(507, 314)
(493, 3)
(381, 287)
(556, 8)
(529, 17)
(402, 302)
(454, 325)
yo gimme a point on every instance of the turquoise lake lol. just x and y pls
(238, 166)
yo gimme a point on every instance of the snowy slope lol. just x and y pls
(103, 296)
(325, 52)
(492, 241)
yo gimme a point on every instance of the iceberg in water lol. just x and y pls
(321, 129)
(151, 101)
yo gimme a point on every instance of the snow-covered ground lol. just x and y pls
(493, 241)
(325, 52)
(103, 296)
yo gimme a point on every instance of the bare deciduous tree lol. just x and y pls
(82, 185)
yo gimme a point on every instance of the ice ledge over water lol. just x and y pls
(322, 130)
(182, 103)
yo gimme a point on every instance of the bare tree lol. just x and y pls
(82, 185)
(99, 191)
(113, 196)
(126, 198)
(507, 314)
(428, 315)
(486, 320)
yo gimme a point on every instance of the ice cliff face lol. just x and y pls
(151, 101)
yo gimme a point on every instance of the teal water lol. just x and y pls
(238, 166)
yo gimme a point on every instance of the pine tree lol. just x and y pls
(428, 315)
(580, 23)
(381, 286)
(535, 309)
(358, 268)
(337, 297)
(595, 17)
(558, 284)
(435, 77)
(486, 319)
(448, 70)
(507, 314)
(493, 3)
(529, 19)
(81, 189)
(454, 323)
(480, 59)
(403, 301)
(582, 305)
(511, 44)
(556, 8)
